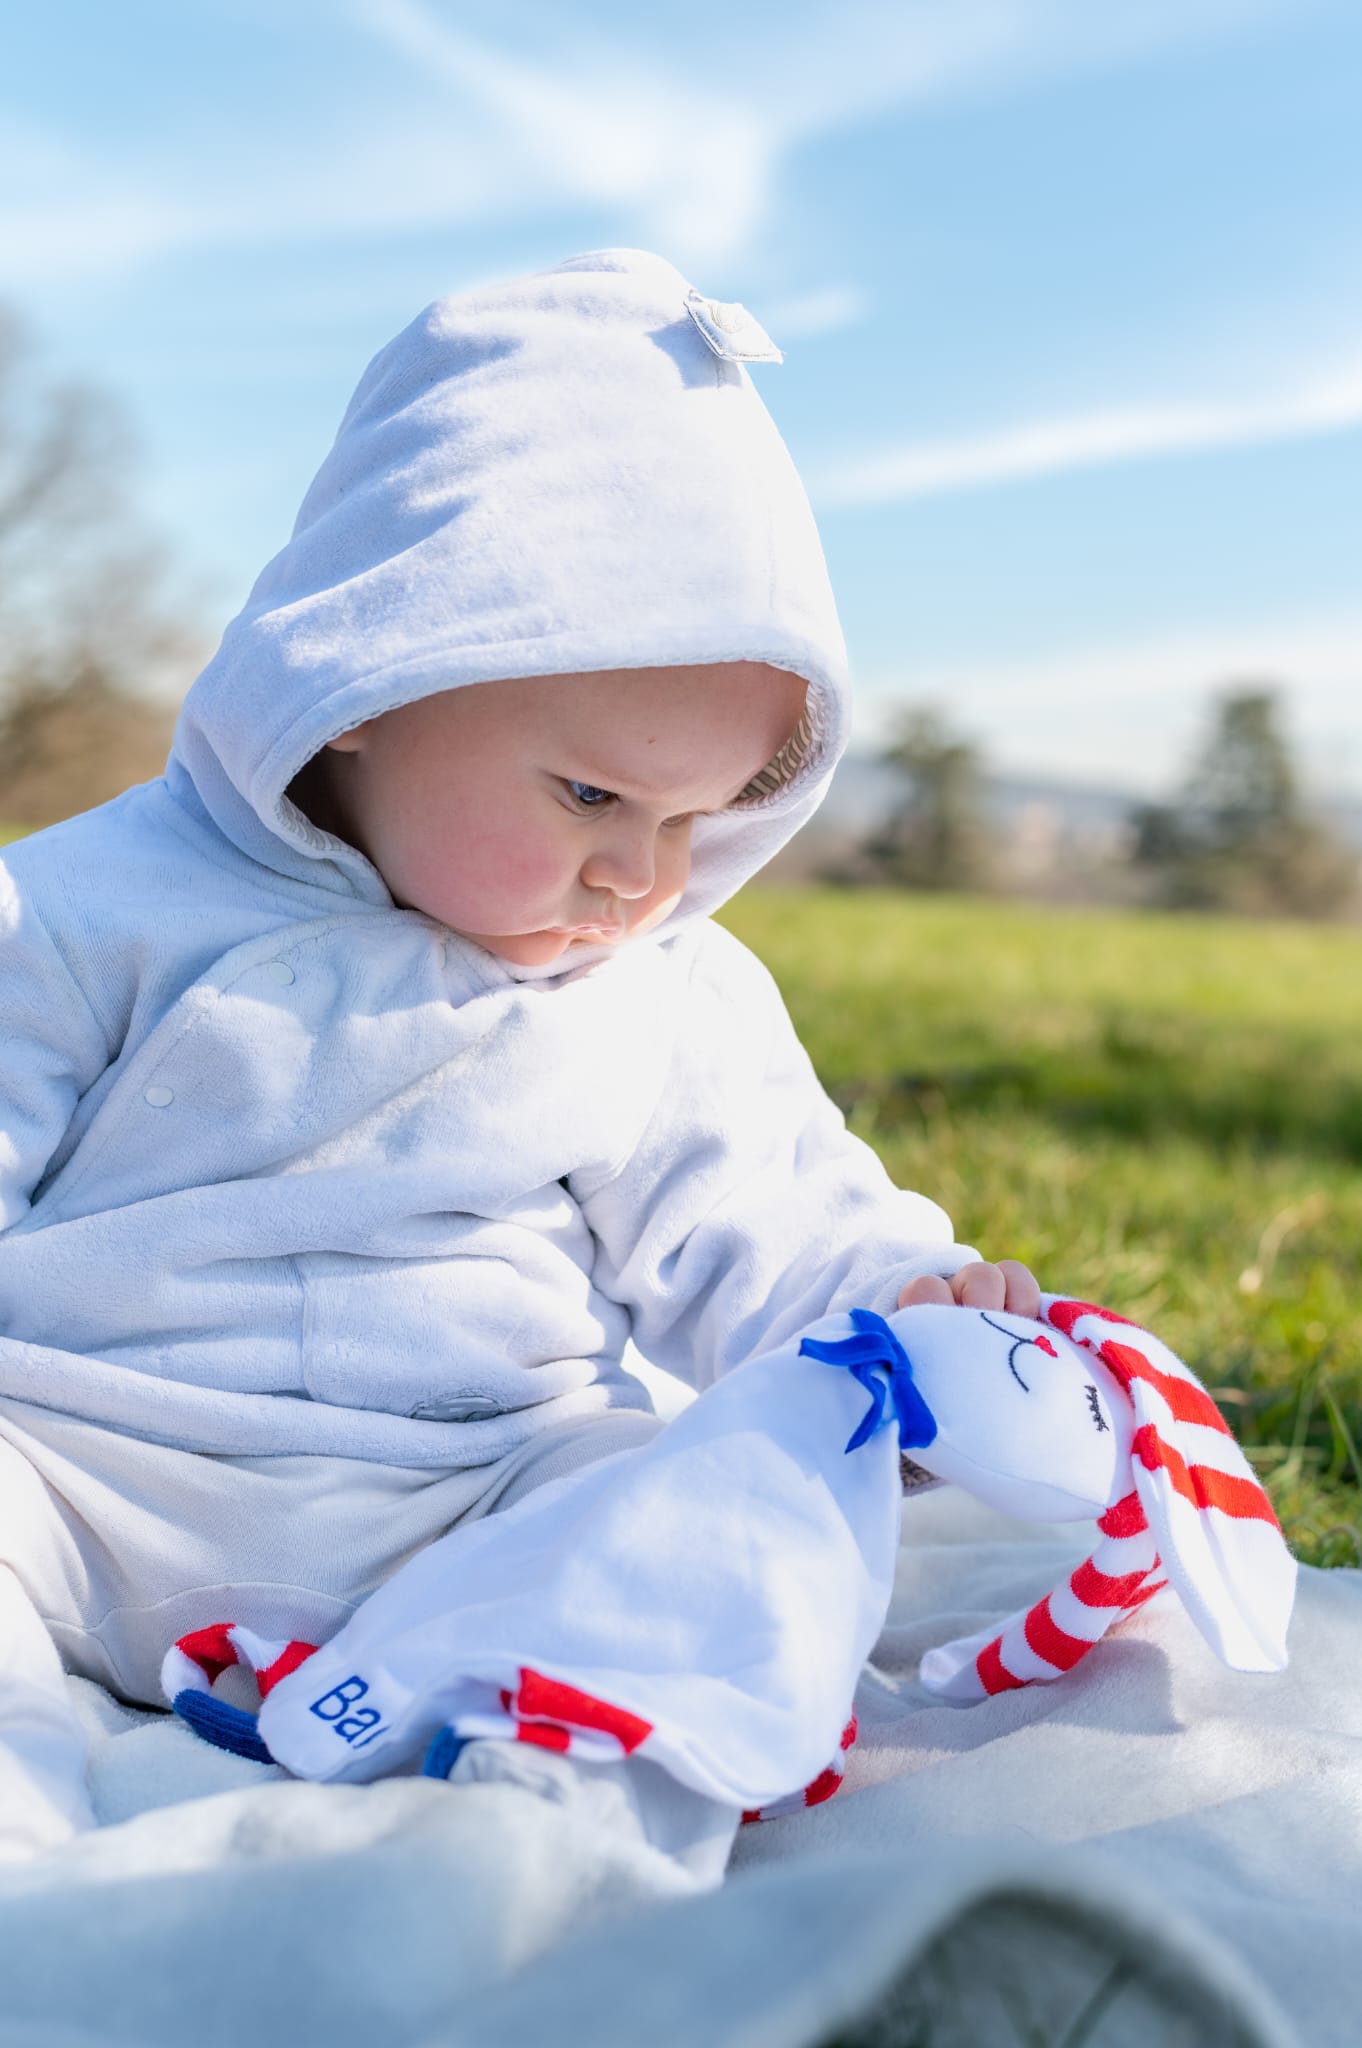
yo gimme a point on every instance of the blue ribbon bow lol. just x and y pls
(875, 1345)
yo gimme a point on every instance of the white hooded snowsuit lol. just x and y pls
(294, 1181)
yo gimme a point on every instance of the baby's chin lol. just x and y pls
(543, 948)
(538, 949)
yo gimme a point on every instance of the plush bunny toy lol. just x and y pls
(565, 1620)
(1092, 1417)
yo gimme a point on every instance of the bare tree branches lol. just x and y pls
(90, 651)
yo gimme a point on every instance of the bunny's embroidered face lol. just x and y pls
(1025, 1420)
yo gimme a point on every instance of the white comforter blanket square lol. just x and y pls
(1151, 1849)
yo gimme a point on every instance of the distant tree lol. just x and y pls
(936, 836)
(1240, 835)
(89, 649)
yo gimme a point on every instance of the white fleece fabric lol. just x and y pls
(287, 1168)
(1154, 1850)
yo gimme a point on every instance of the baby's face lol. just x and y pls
(550, 813)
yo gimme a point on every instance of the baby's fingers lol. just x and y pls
(926, 1288)
(1008, 1285)
(1023, 1289)
(981, 1286)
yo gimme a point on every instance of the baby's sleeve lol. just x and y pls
(747, 1210)
(51, 1049)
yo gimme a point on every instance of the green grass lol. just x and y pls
(1162, 1114)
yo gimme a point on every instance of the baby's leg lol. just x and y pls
(43, 1794)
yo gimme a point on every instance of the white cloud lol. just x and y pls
(1037, 448)
(647, 129)
(831, 65)
(639, 130)
(1126, 714)
(619, 132)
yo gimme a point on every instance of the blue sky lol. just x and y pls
(1071, 297)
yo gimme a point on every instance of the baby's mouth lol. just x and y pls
(595, 928)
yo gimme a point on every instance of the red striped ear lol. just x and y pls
(1216, 1533)
(1042, 1642)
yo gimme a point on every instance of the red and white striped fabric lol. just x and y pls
(824, 1786)
(1188, 1513)
(197, 1661)
(549, 1714)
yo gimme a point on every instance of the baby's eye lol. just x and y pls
(591, 798)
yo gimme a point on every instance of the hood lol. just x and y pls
(571, 471)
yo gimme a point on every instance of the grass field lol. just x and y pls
(1161, 1114)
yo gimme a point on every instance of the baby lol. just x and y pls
(373, 1077)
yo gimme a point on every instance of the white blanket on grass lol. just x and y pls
(1152, 1849)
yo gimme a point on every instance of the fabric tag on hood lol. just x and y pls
(731, 331)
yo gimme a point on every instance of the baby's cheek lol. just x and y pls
(494, 863)
(535, 874)
(673, 866)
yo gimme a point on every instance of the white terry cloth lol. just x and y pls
(286, 1169)
(43, 1795)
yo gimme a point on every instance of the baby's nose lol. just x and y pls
(626, 865)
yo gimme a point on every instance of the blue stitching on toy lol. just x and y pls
(875, 1345)
(444, 1753)
(226, 1727)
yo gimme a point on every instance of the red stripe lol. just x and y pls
(823, 1787)
(1242, 1498)
(994, 1675)
(1064, 1314)
(543, 1735)
(1188, 1401)
(1096, 1589)
(1049, 1640)
(849, 1734)
(750, 1813)
(1127, 1518)
(1146, 1593)
(549, 1699)
(1202, 1485)
(296, 1654)
(212, 1649)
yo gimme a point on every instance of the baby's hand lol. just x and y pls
(1009, 1285)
